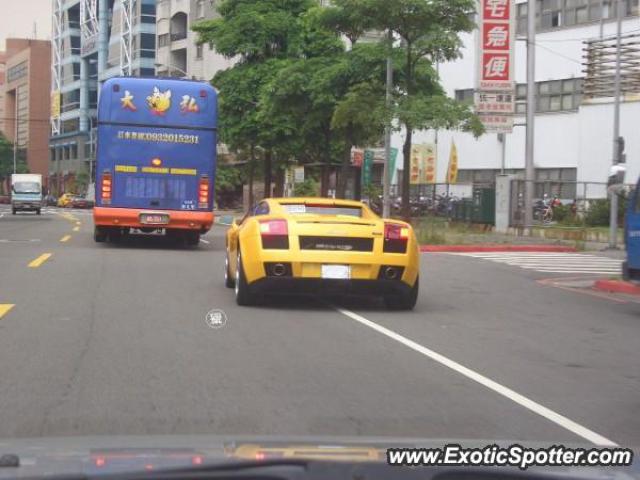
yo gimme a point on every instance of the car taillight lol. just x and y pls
(275, 234)
(203, 192)
(106, 188)
(395, 238)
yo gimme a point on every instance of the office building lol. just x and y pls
(573, 133)
(92, 40)
(24, 100)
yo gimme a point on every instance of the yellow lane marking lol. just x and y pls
(40, 260)
(76, 229)
(78, 223)
(66, 238)
(4, 308)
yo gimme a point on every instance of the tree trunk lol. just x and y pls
(324, 180)
(406, 175)
(279, 187)
(341, 184)
(268, 157)
(252, 167)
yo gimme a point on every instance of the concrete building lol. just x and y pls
(3, 66)
(573, 135)
(92, 40)
(178, 54)
(25, 100)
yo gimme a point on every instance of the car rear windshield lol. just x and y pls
(319, 209)
(26, 187)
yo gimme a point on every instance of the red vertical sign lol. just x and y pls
(496, 45)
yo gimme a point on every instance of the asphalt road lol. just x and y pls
(112, 339)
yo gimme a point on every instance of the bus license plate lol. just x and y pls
(336, 272)
(154, 219)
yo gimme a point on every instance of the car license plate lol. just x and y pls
(337, 272)
(154, 219)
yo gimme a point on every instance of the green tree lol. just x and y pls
(428, 32)
(259, 35)
(6, 162)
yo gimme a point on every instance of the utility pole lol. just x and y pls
(529, 175)
(386, 172)
(601, 19)
(613, 214)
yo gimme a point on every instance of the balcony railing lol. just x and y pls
(178, 36)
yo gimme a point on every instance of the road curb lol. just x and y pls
(495, 248)
(617, 286)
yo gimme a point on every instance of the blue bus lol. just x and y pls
(631, 267)
(156, 158)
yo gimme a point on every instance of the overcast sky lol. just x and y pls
(18, 16)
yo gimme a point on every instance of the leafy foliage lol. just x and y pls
(298, 93)
(228, 178)
(308, 188)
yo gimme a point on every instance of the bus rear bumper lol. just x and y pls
(130, 217)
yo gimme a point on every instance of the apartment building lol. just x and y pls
(24, 100)
(178, 54)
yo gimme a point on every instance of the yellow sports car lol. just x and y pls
(311, 245)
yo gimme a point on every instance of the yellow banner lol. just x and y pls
(55, 104)
(423, 164)
(452, 173)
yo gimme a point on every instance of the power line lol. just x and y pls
(558, 54)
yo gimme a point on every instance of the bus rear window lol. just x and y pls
(169, 188)
(319, 209)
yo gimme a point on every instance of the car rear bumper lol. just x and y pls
(292, 285)
(130, 217)
(26, 205)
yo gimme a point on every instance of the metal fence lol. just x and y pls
(579, 196)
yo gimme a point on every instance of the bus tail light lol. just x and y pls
(106, 188)
(395, 238)
(274, 234)
(203, 192)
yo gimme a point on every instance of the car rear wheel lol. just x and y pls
(244, 296)
(405, 300)
(99, 235)
(13, 211)
(228, 278)
(192, 238)
(38, 212)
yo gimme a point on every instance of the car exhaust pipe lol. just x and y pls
(279, 270)
(390, 273)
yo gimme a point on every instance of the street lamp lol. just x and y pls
(171, 68)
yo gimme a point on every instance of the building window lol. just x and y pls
(199, 49)
(552, 14)
(553, 96)
(465, 95)
(200, 9)
(148, 13)
(17, 71)
(164, 40)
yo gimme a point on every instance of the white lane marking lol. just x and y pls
(550, 262)
(1, 215)
(512, 395)
(205, 241)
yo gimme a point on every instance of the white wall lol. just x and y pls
(581, 139)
